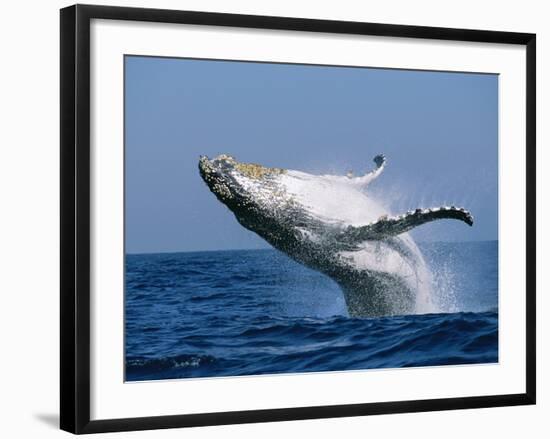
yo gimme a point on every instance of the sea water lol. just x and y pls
(252, 312)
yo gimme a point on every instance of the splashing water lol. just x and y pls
(444, 286)
(435, 282)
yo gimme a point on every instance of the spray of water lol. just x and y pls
(444, 289)
(436, 281)
(438, 285)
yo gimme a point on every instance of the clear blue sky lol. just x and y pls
(439, 132)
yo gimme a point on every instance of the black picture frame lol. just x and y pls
(75, 217)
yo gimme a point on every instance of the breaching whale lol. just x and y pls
(330, 223)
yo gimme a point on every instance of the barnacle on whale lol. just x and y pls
(252, 170)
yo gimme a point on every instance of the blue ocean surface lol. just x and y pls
(251, 312)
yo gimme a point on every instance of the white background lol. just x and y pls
(29, 236)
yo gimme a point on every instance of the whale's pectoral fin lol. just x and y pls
(363, 181)
(392, 226)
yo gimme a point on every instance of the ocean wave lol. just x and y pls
(239, 313)
(149, 368)
(336, 344)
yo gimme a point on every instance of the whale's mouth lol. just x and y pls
(217, 167)
(216, 173)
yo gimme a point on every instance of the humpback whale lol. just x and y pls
(330, 224)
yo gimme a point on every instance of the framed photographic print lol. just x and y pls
(286, 218)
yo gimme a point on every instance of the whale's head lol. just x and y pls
(252, 192)
(237, 184)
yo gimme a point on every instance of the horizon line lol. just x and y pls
(167, 252)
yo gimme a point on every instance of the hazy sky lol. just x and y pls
(439, 132)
